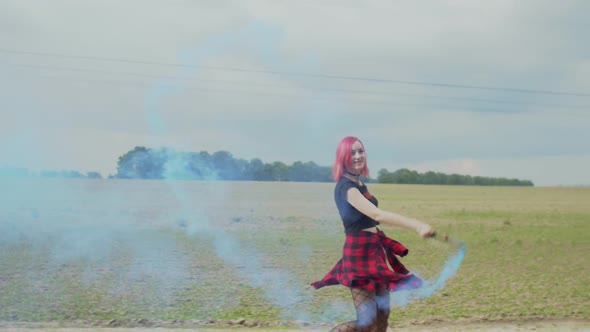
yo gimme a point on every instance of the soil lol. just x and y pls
(542, 325)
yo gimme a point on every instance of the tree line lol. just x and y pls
(412, 177)
(166, 163)
(21, 172)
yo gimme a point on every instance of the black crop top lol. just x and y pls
(353, 220)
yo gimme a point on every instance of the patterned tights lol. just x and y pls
(372, 312)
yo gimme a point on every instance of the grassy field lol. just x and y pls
(97, 251)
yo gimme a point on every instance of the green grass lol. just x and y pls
(527, 257)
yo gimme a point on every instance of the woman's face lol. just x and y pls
(358, 157)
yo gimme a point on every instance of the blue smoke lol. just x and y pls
(81, 220)
(429, 287)
(277, 284)
(63, 223)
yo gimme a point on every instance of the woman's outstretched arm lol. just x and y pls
(356, 199)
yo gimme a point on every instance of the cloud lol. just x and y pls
(453, 166)
(411, 81)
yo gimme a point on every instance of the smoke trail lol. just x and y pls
(107, 225)
(276, 284)
(70, 238)
(429, 287)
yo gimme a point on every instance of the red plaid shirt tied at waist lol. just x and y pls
(364, 264)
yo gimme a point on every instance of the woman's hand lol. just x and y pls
(425, 231)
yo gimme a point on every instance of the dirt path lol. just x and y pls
(543, 326)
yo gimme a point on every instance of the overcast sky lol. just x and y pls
(495, 88)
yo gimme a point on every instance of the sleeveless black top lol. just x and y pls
(353, 220)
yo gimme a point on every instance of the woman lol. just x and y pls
(363, 267)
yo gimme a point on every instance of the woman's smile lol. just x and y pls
(358, 157)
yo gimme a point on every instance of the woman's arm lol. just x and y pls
(356, 199)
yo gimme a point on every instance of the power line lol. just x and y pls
(315, 89)
(313, 75)
(393, 103)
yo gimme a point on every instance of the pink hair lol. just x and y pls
(344, 158)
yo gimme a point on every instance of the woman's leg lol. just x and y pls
(366, 313)
(383, 308)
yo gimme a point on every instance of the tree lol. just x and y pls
(201, 165)
(256, 170)
(139, 163)
(297, 172)
(405, 175)
(223, 162)
(383, 176)
(279, 171)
